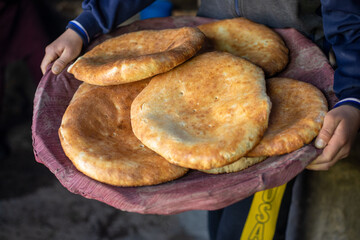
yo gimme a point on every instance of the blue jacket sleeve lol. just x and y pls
(101, 16)
(341, 20)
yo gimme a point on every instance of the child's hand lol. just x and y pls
(62, 51)
(337, 135)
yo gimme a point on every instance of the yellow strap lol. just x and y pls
(261, 221)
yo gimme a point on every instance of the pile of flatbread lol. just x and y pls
(153, 106)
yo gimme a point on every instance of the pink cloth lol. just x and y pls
(196, 190)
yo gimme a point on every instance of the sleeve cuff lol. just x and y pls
(349, 101)
(86, 26)
(79, 29)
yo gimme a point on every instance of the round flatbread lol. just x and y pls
(236, 166)
(96, 135)
(206, 113)
(297, 114)
(138, 55)
(252, 41)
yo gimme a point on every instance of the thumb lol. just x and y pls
(66, 57)
(326, 132)
(60, 64)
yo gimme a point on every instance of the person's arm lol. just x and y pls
(98, 16)
(101, 16)
(341, 19)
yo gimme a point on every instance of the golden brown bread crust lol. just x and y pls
(205, 113)
(255, 42)
(96, 135)
(138, 55)
(296, 117)
(236, 166)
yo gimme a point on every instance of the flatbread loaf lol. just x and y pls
(236, 166)
(96, 135)
(297, 114)
(255, 42)
(205, 113)
(138, 55)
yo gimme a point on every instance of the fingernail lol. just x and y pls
(319, 143)
(56, 69)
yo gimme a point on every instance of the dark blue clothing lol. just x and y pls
(342, 30)
(341, 24)
(101, 16)
(341, 27)
(337, 20)
(302, 15)
(227, 223)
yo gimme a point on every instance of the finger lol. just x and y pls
(50, 56)
(336, 149)
(321, 166)
(62, 61)
(323, 161)
(326, 132)
(58, 66)
(326, 165)
(328, 154)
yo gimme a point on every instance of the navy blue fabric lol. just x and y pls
(348, 101)
(227, 223)
(101, 16)
(79, 31)
(341, 21)
(341, 25)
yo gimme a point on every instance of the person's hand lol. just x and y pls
(336, 137)
(62, 51)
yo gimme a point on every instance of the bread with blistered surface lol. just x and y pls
(252, 41)
(96, 135)
(205, 113)
(137, 55)
(297, 115)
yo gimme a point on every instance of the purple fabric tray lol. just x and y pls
(196, 190)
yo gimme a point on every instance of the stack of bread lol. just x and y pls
(156, 103)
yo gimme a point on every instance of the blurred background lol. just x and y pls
(34, 205)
